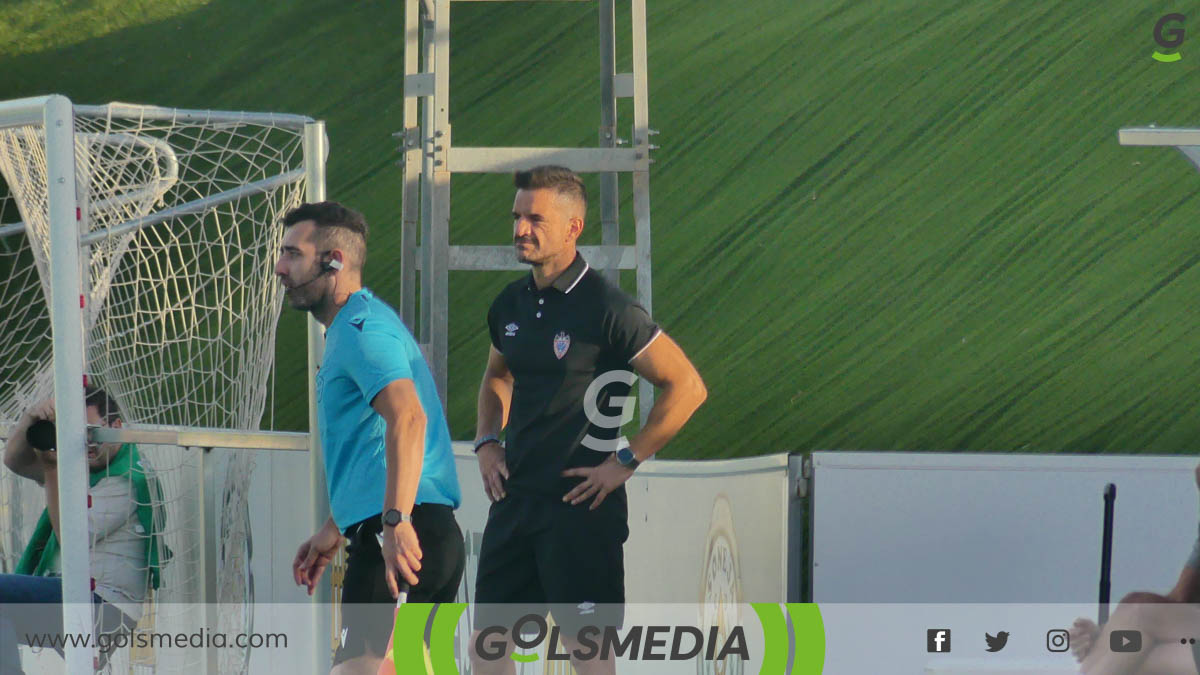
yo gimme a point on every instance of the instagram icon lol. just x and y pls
(1058, 640)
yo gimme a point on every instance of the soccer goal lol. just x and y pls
(136, 253)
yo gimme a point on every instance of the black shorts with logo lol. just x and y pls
(367, 604)
(539, 552)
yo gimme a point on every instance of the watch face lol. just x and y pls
(624, 455)
(391, 518)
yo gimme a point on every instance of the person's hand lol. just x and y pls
(314, 556)
(1082, 635)
(48, 459)
(493, 469)
(599, 480)
(42, 410)
(401, 555)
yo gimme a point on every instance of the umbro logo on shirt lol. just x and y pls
(511, 330)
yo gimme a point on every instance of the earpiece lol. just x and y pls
(327, 265)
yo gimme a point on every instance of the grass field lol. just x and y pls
(877, 225)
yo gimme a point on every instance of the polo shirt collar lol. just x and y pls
(569, 278)
(357, 307)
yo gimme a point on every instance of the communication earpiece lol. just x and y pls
(327, 265)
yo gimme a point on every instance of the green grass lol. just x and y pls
(877, 225)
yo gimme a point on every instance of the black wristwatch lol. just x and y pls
(393, 517)
(627, 459)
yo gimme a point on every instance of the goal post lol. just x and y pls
(136, 254)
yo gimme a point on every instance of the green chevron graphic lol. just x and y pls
(441, 647)
(808, 629)
(408, 638)
(775, 638)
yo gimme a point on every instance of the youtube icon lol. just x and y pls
(1125, 641)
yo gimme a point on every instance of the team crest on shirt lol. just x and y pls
(562, 342)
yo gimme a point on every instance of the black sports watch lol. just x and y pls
(393, 517)
(627, 459)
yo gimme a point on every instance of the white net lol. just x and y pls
(180, 214)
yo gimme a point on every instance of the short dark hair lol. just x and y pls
(95, 397)
(562, 180)
(337, 227)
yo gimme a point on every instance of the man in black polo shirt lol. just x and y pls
(565, 346)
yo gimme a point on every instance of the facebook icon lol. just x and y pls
(937, 640)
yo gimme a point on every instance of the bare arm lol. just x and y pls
(404, 442)
(50, 476)
(404, 446)
(495, 398)
(19, 456)
(315, 554)
(681, 391)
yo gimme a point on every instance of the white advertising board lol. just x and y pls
(995, 528)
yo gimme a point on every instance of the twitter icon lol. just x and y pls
(996, 643)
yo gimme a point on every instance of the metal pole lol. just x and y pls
(439, 241)
(316, 149)
(1110, 497)
(425, 337)
(209, 552)
(66, 322)
(610, 233)
(641, 181)
(410, 197)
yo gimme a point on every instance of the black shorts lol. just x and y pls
(367, 604)
(538, 552)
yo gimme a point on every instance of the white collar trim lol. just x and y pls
(586, 266)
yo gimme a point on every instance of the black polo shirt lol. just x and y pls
(556, 342)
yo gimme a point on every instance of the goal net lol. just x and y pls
(179, 226)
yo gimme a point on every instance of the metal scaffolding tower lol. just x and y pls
(430, 158)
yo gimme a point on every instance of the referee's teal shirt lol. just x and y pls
(366, 348)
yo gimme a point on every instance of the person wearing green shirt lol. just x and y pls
(123, 526)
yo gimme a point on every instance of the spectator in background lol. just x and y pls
(125, 553)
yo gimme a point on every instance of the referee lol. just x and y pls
(564, 343)
(388, 464)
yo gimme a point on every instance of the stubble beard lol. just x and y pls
(301, 302)
(532, 256)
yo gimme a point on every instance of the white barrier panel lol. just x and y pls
(711, 532)
(977, 528)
